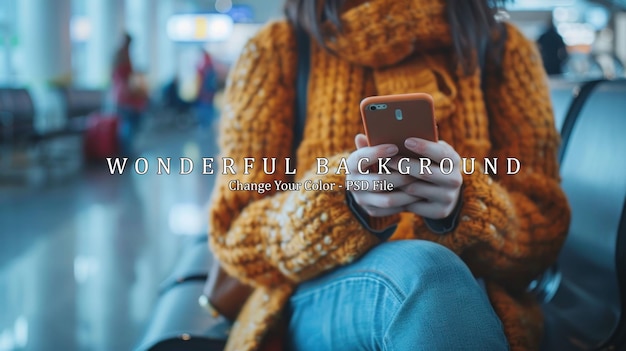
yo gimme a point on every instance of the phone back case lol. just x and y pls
(391, 119)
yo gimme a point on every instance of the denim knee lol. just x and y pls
(402, 295)
(443, 307)
(409, 264)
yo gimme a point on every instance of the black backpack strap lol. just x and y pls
(482, 58)
(482, 55)
(302, 81)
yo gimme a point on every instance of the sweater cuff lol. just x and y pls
(364, 219)
(448, 224)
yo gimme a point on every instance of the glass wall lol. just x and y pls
(8, 42)
(164, 45)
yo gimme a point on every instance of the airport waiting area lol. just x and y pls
(116, 117)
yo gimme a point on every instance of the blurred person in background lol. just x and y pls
(207, 86)
(130, 95)
(442, 262)
(171, 97)
(553, 50)
(603, 53)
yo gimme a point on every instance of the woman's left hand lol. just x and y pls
(438, 186)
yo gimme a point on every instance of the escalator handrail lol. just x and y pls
(577, 104)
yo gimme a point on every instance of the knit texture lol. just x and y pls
(511, 227)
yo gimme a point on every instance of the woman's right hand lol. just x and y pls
(379, 202)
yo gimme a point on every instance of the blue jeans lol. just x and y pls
(205, 113)
(402, 295)
(130, 123)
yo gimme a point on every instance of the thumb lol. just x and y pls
(360, 141)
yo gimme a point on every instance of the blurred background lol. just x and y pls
(82, 252)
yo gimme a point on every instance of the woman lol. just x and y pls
(207, 86)
(320, 260)
(130, 96)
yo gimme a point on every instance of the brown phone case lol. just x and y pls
(391, 119)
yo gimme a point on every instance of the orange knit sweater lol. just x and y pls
(511, 227)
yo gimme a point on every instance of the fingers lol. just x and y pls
(438, 175)
(383, 204)
(396, 179)
(367, 156)
(429, 186)
(436, 151)
(430, 192)
(446, 174)
(360, 141)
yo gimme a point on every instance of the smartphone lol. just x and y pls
(391, 119)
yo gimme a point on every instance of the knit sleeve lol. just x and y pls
(268, 237)
(512, 227)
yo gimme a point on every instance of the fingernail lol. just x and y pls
(392, 150)
(410, 143)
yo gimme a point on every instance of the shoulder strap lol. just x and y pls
(303, 46)
(482, 55)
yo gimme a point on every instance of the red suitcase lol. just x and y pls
(101, 136)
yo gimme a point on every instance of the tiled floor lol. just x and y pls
(80, 259)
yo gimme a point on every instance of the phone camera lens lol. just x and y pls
(373, 108)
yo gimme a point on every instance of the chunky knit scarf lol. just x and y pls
(510, 228)
(385, 47)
